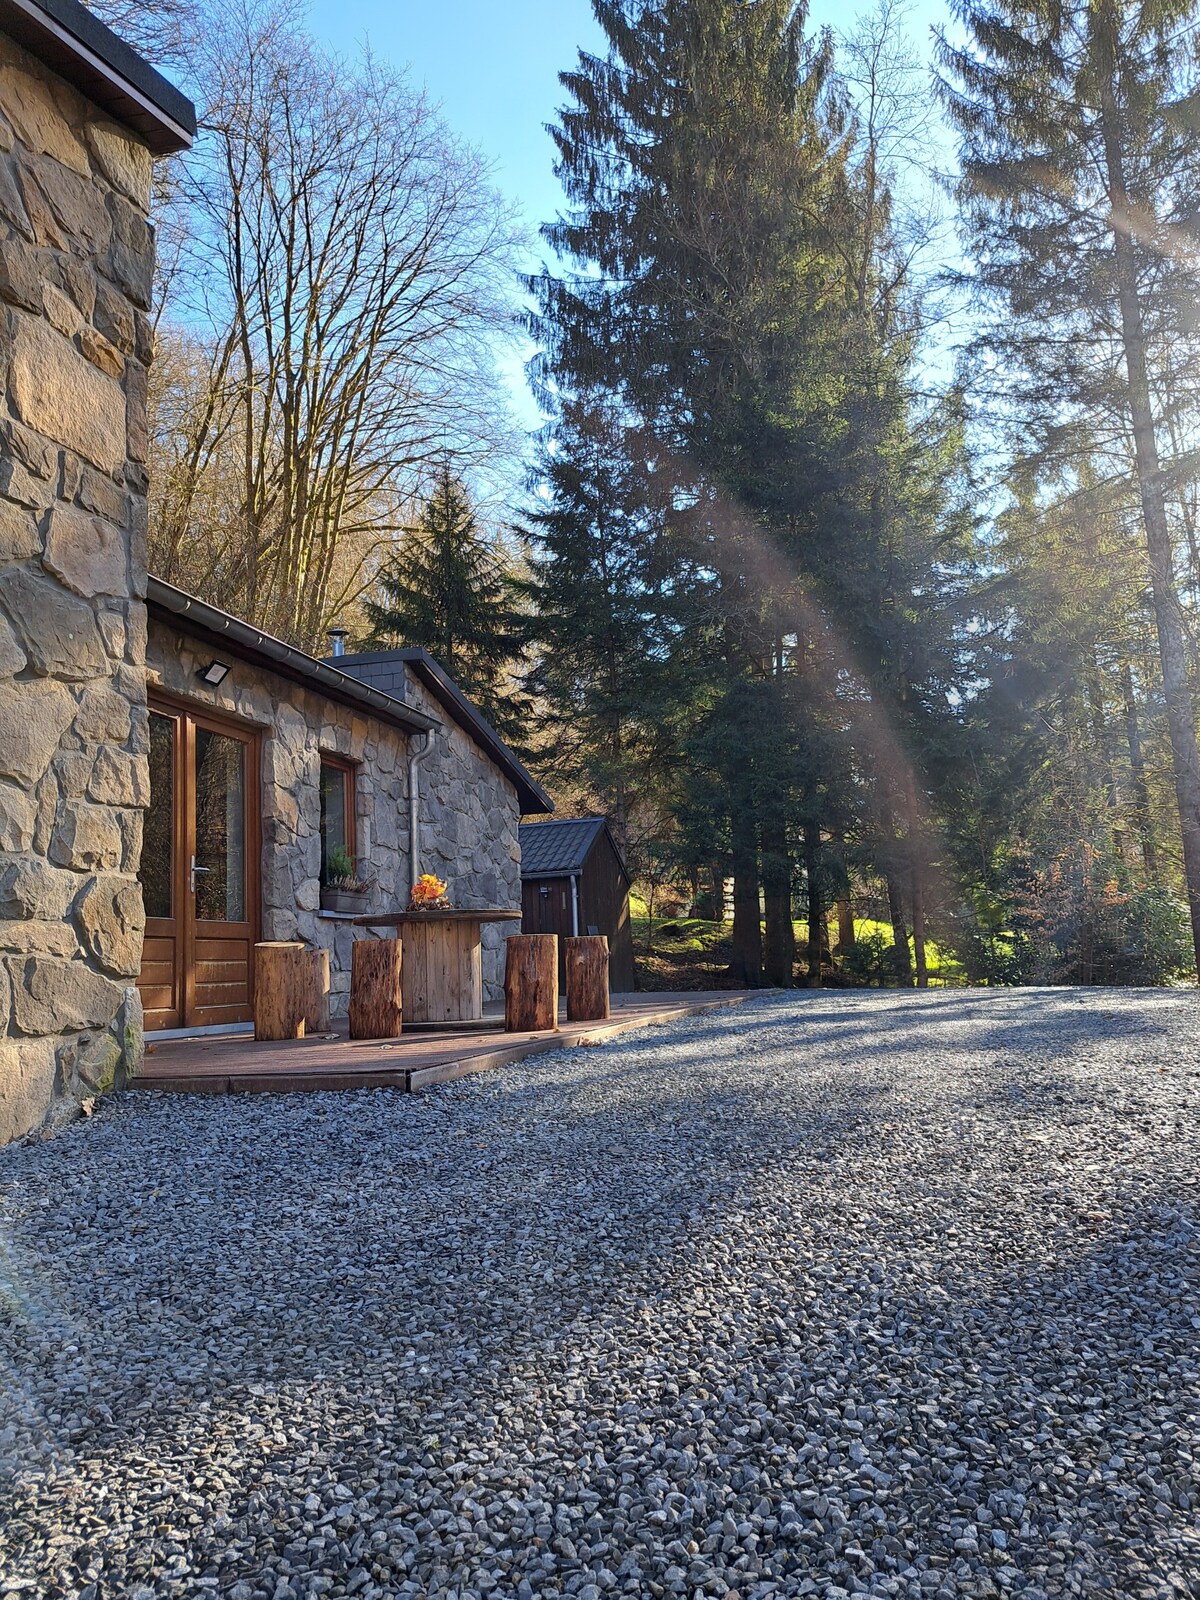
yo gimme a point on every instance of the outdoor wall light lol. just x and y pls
(215, 672)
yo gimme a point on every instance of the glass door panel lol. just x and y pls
(161, 979)
(199, 872)
(219, 867)
(158, 835)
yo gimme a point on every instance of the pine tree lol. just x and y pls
(606, 586)
(446, 590)
(1080, 153)
(695, 157)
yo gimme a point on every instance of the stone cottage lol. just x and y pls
(264, 761)
(80, 118)
(172, 781)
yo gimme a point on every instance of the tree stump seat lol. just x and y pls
(586, 961)
(291, 990)
(376, 997)
(531, 983)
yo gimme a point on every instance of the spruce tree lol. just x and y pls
(446, 590)
(695, 156)
(606, 587)
(1080, 145)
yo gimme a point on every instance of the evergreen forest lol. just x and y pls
(854, 572)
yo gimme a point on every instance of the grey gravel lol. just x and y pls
(888, 1294)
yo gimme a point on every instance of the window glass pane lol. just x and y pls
(334, 833)
(220, 827)
(158, 836)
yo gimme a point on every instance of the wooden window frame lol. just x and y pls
(349, 771)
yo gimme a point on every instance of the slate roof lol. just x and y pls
(385, 670)
(77, 45)
(558, 848)
(230, 635)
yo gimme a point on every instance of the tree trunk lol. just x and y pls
(531, 983)
(1112, 799)
(917, 888)
(842, 907)
(586, 962)
(780, 949)
(1177, 694)
(1137, 768)
(899, 931)
(746, 965)
(285, 990)
(916, 883)
(816, 919)
(376, 997)
(718, 890)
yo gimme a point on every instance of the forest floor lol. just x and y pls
(685, 953)
(870, 1293)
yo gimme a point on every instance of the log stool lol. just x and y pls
(291, 990)
(531, 983)
(316, 1018)
(376, 1007)
(587, 978)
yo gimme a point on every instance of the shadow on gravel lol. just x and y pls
(771, 1256)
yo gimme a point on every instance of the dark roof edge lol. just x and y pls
(263, 649)
(72, 42)
(534, 873)
(533, 798)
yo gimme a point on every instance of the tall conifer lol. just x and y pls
(447, 591)
(1080, 135)
(695, 157)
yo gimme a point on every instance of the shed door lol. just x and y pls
(199, 871)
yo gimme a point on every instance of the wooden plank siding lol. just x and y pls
(603, 907)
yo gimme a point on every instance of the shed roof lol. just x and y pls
(385, 670)
(77, 45)
(558, 848)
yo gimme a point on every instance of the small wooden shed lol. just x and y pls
(574, 881)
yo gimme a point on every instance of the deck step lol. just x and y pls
(334, 1063)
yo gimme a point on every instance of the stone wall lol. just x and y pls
(470, 818)
(76, 265)
(468, 809)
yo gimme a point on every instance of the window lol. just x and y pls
(337, 815)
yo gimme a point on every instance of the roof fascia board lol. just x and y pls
(219, 628)
(68, 39)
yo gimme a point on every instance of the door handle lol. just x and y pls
(195, 870)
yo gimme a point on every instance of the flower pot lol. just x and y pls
(346, 902)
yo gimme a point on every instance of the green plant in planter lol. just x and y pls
(341, 872)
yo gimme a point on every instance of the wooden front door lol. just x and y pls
(199, 871)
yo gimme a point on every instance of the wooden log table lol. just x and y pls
(442, 973)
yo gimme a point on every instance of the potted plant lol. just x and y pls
(344, 890)
(429, 894)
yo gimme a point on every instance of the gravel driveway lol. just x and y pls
(869, 1294)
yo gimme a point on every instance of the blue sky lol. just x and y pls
(494, 69)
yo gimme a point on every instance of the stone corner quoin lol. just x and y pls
(76, 272)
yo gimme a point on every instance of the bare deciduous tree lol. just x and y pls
(343, 267)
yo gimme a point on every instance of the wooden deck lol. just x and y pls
(243, 1065)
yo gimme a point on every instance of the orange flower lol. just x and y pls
(429, 893)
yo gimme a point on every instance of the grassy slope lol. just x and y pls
(692, 954)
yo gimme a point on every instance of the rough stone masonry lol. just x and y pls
(76, 266)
